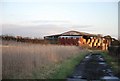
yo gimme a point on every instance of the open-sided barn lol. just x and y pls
(80, 39)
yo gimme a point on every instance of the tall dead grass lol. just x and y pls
(22, 61)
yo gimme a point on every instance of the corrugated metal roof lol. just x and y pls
(74, 33)
(77, 33)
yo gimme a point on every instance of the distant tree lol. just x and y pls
(108, 37)
(119, 38)
(115, 42)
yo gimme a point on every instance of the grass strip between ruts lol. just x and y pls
(112, 62)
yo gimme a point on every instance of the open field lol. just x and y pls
(29, 61)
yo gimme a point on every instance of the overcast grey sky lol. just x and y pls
(41, 18)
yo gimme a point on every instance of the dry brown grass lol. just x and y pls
(21, 61)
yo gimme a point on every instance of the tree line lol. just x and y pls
(23, 39)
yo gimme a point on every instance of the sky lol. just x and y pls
(38, 18)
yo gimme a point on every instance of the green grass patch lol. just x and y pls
(60, 70)
(67, 67)
(112, 61)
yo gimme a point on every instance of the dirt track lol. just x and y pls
(93, 67)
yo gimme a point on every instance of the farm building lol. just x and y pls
(80, 39)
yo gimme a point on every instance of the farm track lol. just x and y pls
(93, 68)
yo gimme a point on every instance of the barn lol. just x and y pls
(79, 39)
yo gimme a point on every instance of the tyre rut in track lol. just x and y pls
(93, 67)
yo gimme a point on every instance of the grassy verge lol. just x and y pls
(59, 70)
(67, 67)
(113, 62)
